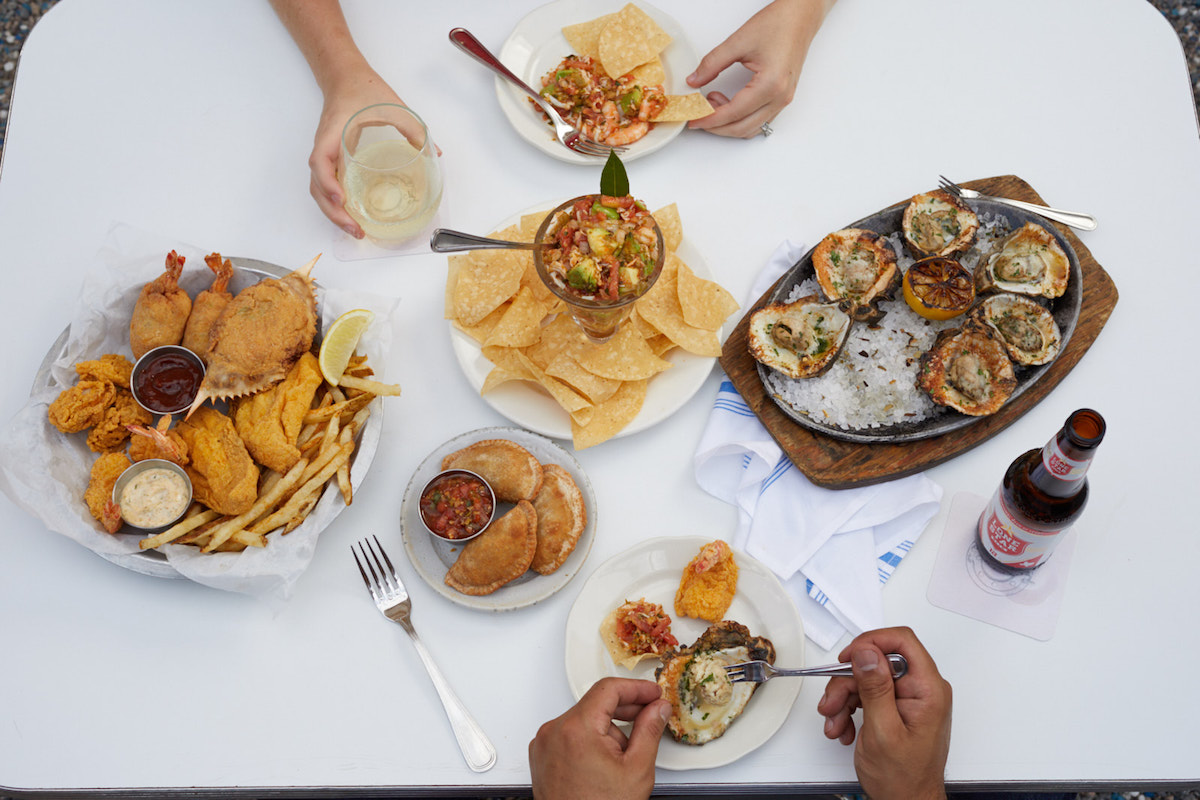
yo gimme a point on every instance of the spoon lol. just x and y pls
(444, 240)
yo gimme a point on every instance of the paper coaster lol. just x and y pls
(964, 583)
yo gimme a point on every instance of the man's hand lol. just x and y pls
(904, 738)
(582, 755)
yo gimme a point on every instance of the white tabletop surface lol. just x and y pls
(194, 121)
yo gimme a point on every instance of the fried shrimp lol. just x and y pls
(208, 306)
(161, 311)
(98, 495)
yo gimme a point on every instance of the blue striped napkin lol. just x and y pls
(832, 549)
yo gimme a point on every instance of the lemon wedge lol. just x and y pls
(339, 342)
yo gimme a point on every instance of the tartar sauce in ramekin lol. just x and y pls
(153, 498)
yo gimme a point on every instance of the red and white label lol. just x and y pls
(1060, 465)
(1011, 541)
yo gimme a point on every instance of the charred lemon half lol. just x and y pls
(939, 288)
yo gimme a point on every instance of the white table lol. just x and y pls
(195, 120)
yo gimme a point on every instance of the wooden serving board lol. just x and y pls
(838, 464)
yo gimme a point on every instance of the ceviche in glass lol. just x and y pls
(599, 254)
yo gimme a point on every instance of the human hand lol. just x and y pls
(583, 755)
(905, 733)
(341, 102)
(772, 44)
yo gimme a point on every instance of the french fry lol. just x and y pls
(373, 387)
(261, 505)
(322, 415)
(178, 529)
(310, 488)
(295, 521)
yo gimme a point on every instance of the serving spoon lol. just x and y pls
(444, 240)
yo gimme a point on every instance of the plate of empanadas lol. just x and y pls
(541, 531)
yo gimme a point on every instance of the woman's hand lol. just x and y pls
(773, 45)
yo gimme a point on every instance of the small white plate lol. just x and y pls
(433, 557)
(537, 46)
(530, 407)
(652, 570)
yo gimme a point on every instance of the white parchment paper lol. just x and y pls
(45, 472)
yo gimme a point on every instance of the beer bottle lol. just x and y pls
(1042, 494)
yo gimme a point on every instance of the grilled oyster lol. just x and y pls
(800, 339)
(703, 700)
(968, 370)
(1028, 261)
(938, 224)
(857, 268)
(1026, 329)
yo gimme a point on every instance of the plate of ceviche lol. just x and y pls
(537, 48)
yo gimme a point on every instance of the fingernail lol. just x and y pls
(350, 230)
(824, 697)
(691, 77)
(865, 659)
(829, 724)
(664, 711)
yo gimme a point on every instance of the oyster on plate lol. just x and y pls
(938, 224)
(856, 268)
(968, 370)
(1028, 261)
(1026, 329)
(703, 700)
(800, 339)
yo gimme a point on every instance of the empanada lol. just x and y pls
(513, 472)
(500, 554)
(561, 517)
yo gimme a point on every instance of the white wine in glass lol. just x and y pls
(390, 173)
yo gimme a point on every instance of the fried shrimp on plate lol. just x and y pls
(161, 311)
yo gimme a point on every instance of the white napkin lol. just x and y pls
(832, 549)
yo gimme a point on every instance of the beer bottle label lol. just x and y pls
(1009, 539)
(1060, 465)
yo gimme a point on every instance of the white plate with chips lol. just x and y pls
(537, 45)
(532, 407)
(652, 570)
(433, 557)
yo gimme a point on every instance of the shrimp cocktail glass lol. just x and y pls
(390, 173)
(600, 254)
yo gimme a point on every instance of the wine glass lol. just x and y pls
(390, 173)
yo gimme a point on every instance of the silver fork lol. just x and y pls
(391, 597)
(571, 138)
(1084, 222)
(761, 671)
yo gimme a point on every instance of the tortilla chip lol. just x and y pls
(481, 330)
(625, 357)
(484, 283)
(611, 416)
(660, 307)
(564, 395)
(594, 387)
(630, 38)
(584, 37)
(670, 224)
(705, 304)
(520, 325)
(684, 107)
(652, 73)
(499, 376)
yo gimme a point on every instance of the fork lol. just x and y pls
(1084, 222)
(570, 137)
(390, 596)
(444, 240)
(761, 671)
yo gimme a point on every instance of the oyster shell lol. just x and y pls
(703, 700)
(1028, 261)
(800, 339)
(857, 268)
(968, 370)
(1025, 328)
(938, 224)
